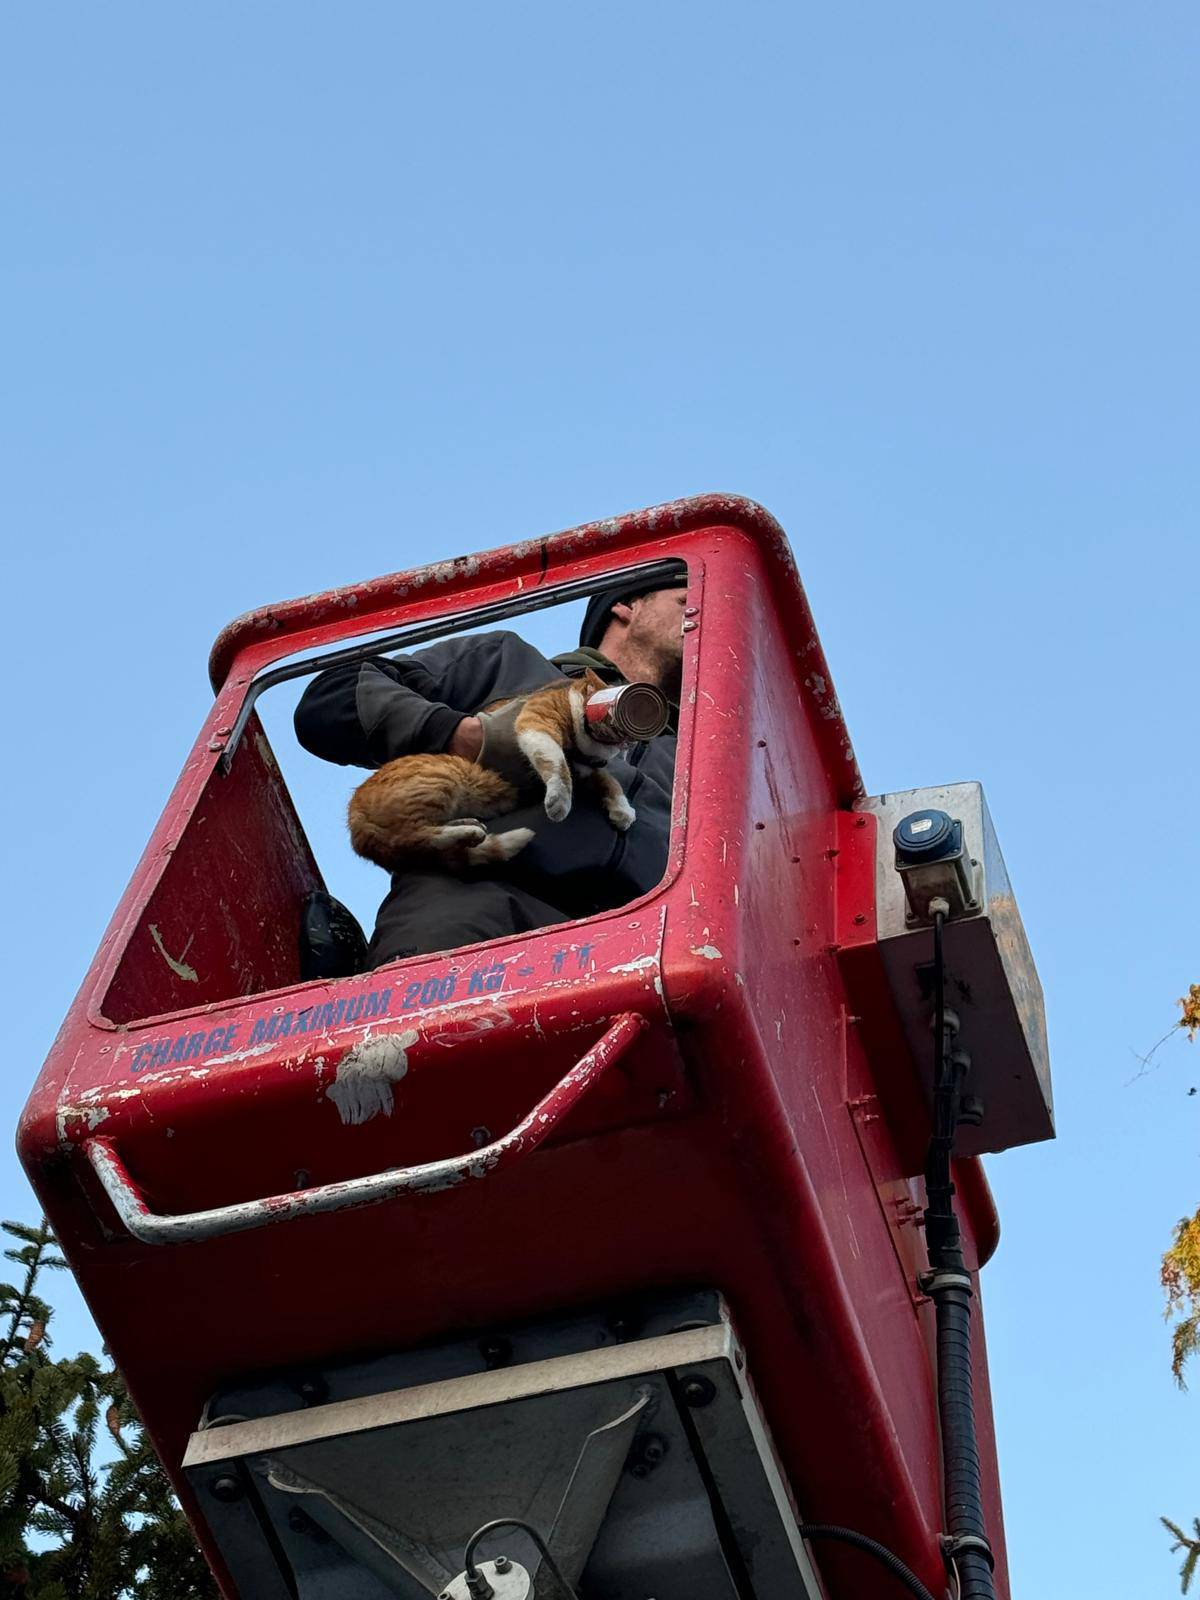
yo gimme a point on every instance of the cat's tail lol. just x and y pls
(382, 845)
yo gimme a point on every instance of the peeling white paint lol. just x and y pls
(362, 1087)
(469, 1024)
(640, 965)
(179, 967)
(708, 951)
(247, 1054)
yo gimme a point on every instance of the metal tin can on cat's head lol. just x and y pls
(635, 711)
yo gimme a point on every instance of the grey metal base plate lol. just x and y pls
(642, 1461)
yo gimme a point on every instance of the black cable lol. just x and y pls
(872, 1547)
(949, 1287)
(942, 1237)
(808, 1530)
(472, 1571)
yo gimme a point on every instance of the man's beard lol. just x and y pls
(670, 674)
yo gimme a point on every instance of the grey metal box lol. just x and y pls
(992, 982)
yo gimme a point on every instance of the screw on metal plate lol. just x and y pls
(698, 1390)
(480, 1137)
(226, 1489)
(649, 1450)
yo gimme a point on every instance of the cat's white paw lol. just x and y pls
(499, 846)
(558, 800)
(620, 813)
(467, 831)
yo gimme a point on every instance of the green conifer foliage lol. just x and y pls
(1190, 1548)
(86, 1512)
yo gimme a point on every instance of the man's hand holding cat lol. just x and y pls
(499, 750)
(467, 739)
(490, 740)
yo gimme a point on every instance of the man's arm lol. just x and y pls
(373, 711)
(365, 714)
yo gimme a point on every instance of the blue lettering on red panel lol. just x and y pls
(488, 979)
(367, 1005)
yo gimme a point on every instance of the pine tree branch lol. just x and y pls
(72, 1513)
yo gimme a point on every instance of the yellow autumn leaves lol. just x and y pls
(1190, 1005)
(1181, 1281)
(1181, 1264)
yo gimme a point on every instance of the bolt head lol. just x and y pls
(226, 1488)
(502, 1563)
(698, 1391)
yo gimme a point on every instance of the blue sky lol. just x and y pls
(296, 295)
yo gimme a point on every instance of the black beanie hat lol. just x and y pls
(599, 608)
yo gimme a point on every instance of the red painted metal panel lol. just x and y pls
(757, 1135)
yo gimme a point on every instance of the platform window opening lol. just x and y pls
(261, 889)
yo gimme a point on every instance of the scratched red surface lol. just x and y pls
(761, 1136)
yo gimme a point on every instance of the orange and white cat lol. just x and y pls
(425, 809)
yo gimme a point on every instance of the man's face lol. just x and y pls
(656, 623)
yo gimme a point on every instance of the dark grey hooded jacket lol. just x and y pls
(370, 712)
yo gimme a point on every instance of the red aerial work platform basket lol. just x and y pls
(718, 1090)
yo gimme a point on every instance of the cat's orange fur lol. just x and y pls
(425, 809)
